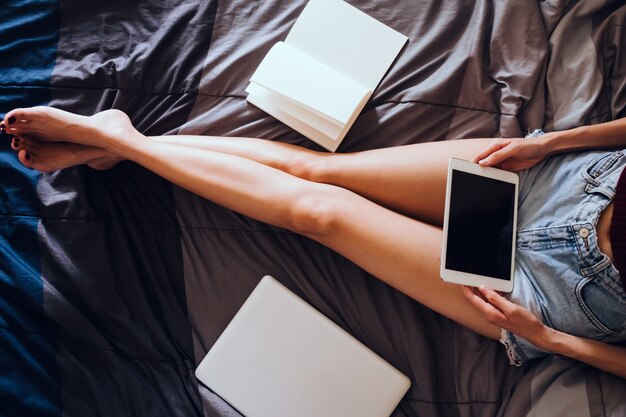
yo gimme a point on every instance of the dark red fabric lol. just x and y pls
(618, 227)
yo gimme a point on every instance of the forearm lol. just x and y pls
(604, 356)
(610, 135)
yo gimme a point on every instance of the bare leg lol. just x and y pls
(401, 251)
(408, 179)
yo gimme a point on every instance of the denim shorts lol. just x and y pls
(560, 273)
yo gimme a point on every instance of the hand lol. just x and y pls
(503, 313)
(513, 154)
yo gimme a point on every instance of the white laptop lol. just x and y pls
(281, 357)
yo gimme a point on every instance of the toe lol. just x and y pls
(16, 143)
(28, 143)
(12, 117)
(25, 158)
(29, 114)
(16, 121)
(25, 142)
(18, 115)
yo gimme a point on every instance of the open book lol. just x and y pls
(318, 80)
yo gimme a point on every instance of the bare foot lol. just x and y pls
(48, 124)
(52, 156)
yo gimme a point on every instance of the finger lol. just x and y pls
(470, 292)
(491, 148)
(475, 298)
(497, 300)
(490, 312)
(498, 156)
(467, 291)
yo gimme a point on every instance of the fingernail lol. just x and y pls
(11, 120)
(27, 156)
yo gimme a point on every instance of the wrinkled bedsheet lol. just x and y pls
(114, 284)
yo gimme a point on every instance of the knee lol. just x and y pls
(311, 166)
(316, 212)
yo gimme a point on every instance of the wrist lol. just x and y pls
(559, 142)
(550, 340)
(576, 139)
(558, 342)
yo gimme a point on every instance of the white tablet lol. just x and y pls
(479, 226)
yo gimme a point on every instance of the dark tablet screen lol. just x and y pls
(480, 227)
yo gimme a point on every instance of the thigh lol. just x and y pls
(403, 252)
(409, 179)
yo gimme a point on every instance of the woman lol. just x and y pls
(389, 202)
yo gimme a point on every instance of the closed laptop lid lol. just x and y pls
(281, 357)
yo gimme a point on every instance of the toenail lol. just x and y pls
(11, 120)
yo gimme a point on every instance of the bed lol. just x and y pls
(114, 284)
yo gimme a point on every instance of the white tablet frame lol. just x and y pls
(465, 278)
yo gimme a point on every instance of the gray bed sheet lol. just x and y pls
(142, 277)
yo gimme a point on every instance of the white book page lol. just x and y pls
(347, 40)
(296, 124)
(295, 75)
(300, 118)
(295, 109)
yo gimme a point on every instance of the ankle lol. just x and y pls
(127, 145)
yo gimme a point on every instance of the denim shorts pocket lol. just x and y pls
(602, 306)
(601, 165)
